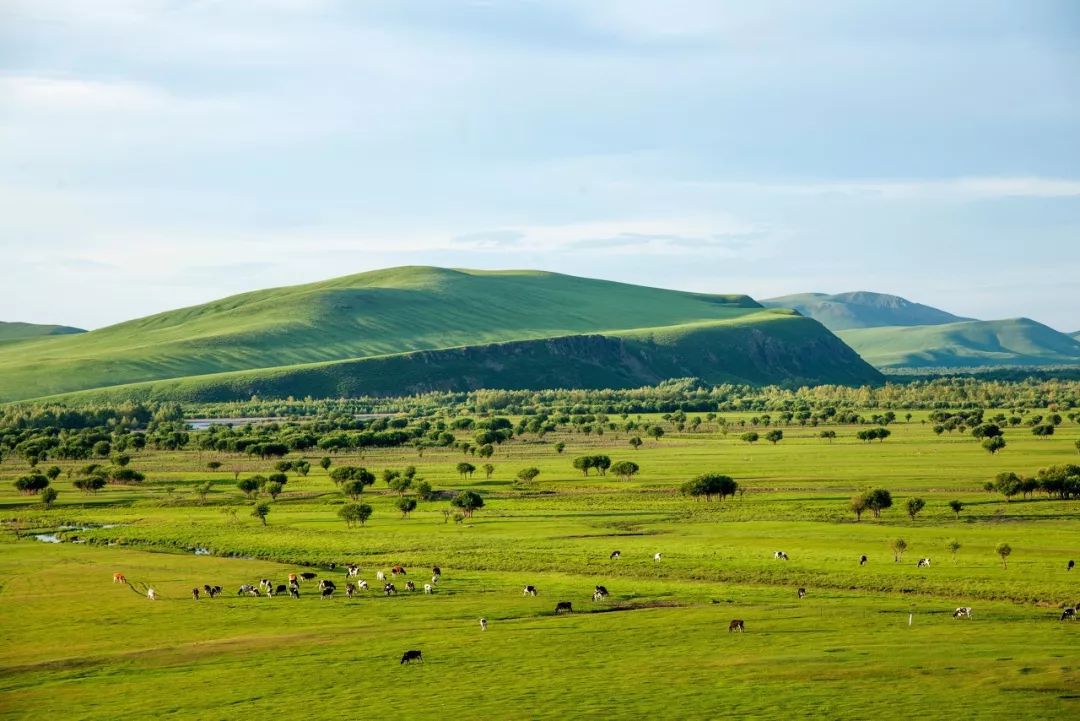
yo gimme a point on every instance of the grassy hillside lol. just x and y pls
(20, 331)
(1017, 341)
(760, 347)
(382, 313)
(862, 309)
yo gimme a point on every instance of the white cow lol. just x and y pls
(381, 576)
(483, 624)
(962, 612)
(428, 588)
(657, 556)
(780, 556)
(923, 562)
(151, 593)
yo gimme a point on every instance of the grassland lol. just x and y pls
(81, 647)
(288, 335)
(977, 343)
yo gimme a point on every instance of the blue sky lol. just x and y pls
(159, 153)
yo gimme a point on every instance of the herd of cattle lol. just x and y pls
(327, 588)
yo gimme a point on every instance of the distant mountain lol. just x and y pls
(862, 309)
(1012, 342)
(412, 329)
(20, 331)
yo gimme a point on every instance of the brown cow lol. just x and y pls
(398, 570)
(736, 625)
(119, 578)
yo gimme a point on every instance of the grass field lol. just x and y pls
(80, 646)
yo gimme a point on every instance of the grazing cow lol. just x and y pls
(350, 589)
(248, 589)
(657, 556)
(862, 560)
(529, 591)
(1071, 566)
(410, 586)
(564, 606)
(398, 570)
(308, 576)
(195, 593)
(381, 576)
(121, 578)
(923, 562)
(410, 656)
(736, 625)
(599, 593)
(615, 555)
(293, 579)
(428, 588)
(362, 584)
(436, 571)
(294, 591)
(962, 612)
(483, 624)
(326, 583)
(270, 591)
(211, 591)
(352, 570)
(1069, 614)
(434, 580)
(281, 588)
(151, 593)
(780, 556)
(332, 566)
(328, 592)
(802, 593)
(264, 584)
(389, 589)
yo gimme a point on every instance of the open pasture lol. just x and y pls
(80, 646)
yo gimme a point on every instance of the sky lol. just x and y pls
(161, 153)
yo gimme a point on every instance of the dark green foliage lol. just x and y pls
(710, 485)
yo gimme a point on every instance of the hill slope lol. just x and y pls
(759, 348)
(1013, 342)
(382, 313)
(862, 309)
(20, 331)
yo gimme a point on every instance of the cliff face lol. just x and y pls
(792, 351)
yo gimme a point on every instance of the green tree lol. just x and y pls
(273, 489)
(53, 473)
(48, 497)
(488, 470)
(914, 505)
(898, 547)
(1043, 430)
(102, 449)
(325, 462)
(878, 500)
(465, 470)
(401, 484)
(956, 507)
(405, 505)
(710, 485)
(468, 501)
(774, 436)
(261, 511)
(1008, 484)
(635, 441)
(213, 465)
(583, 464)
(353, 489)
(31, 484)
(250, 486)
(655, 432)
(203, 490)
(830, 436)
(625, 469)
(859, 505)
(353, 513)
(749, 437)
(993, 444)
(601, 463)
(1003, 550)
(952, 546)
(528, 475)
(560, 447)
(425, 491)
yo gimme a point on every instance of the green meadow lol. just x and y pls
(877, 640)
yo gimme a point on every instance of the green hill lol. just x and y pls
(862, 309)
(1013, 342)
(388, 313)
(21, 331)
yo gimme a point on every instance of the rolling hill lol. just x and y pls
(417, 328)
(1012, 342)
(862, 309)
(21, 331)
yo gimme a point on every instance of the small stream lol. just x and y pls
(58, 537)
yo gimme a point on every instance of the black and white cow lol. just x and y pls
(248, 589)
(410, 586)
(599, 593)
(328, 592)
(308, 576)
(326, 583)
(615, 555)
(195, 593)
(352, 570)
(962, 612)
(350, 590)
(483, 624)
(389, 589)
(862, 560)
(1071, 566)
(436, 571)
(802, 593)
(780, 556)
(294, 591)
(736, 625)
(564, 606)
(923, 562)
(1069, 614)
(529, 591)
